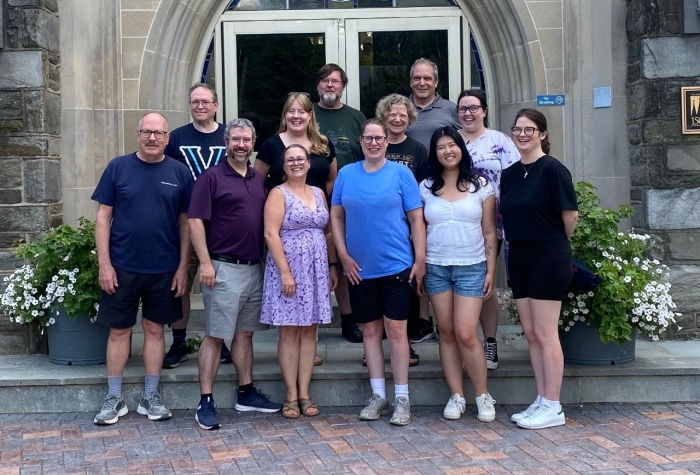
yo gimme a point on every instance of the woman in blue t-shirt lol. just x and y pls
(379, 234)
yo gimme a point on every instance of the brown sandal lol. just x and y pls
(308, 405)
(291, 406)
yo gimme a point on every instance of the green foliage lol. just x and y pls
(193, 344)
(61, 269)
(631, 293)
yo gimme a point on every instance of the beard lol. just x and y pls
(236, 158)
(329, 99)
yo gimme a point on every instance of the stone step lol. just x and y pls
(662, 372)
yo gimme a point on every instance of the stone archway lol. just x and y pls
(508, 39)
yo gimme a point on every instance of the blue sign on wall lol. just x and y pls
(551, 100)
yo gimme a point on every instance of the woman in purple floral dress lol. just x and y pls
(297, 276)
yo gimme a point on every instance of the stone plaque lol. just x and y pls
(690, 109)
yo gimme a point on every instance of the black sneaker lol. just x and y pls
(256, 401)
(351, 331)
(225, 354)
(491, 351)
(426, 331)
(206, 415)
(176, 354)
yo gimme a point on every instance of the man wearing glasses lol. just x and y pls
(226, 222)
(143, 247)
(433, 111)
(199, 145)
(342, 125)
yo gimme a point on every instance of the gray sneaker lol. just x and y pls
(112, 409)
(374, 408)
(402, 412)
(152, 405)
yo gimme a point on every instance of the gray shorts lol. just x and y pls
(233, 304)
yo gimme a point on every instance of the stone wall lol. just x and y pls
(664, 163)
(30, 123)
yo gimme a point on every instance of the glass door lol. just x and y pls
(380, 52)
(263, 61)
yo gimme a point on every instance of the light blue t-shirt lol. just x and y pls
(376, 227)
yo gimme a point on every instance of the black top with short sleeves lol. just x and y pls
(531, 206)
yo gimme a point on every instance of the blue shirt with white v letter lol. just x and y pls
(147, 199)
(377, 231)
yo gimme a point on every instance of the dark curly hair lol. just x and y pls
(435, 168)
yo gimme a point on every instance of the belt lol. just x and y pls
(233, 260)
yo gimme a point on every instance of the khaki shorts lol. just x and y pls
(233, 304)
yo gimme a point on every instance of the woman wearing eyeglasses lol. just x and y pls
(297, 276)
(298, 126)
(379, 234)
(539, 208)
(491, 152)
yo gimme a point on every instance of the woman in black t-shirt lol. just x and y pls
(538, 205)
(298, 126)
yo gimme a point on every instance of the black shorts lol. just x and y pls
(540, 270)
(382, 296)
(152, 290)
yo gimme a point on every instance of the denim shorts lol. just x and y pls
(465, 281)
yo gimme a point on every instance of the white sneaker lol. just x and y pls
(487, 411)
(517, 417)
(543, 417)
(455, 408)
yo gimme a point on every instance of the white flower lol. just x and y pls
(627, 279)
(644, 267)
(590, 294)
(598, 265)
(570, 295)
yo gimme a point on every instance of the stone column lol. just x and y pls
(664, 163)
(30, 116)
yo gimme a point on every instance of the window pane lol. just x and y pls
(272, 66)
(386, 58)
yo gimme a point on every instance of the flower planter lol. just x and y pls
(76, 342)
(581, 345)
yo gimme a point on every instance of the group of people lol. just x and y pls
(416, 201)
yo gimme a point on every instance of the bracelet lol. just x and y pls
(333, 264)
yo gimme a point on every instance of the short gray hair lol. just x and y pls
(426, 62)
(385, 103)
(238, 124)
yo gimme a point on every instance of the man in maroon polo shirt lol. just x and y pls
(226, 224)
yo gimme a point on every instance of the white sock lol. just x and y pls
(552, 404)
(400, 390)
(462, 400)
(539, 400)
(378, 387)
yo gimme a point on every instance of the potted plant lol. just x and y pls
(633, 295)
(58, 289)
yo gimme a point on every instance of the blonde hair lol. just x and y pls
(385, 103)
(319, 142)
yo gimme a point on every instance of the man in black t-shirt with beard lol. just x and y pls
(198, 145)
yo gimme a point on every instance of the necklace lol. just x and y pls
(527, 170)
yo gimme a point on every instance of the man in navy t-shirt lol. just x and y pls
(143, 242)
(199, 145)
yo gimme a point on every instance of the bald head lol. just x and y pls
(153, 137)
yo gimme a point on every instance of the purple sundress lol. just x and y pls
(304, 243)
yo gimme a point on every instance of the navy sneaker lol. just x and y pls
(176, 354)
(256, 401)
(225, 354)
(206, 415)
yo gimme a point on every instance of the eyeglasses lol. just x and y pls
(146, 134)
(529, 131)
(369, 138)
(293, 161)
(471, 109)
(201, 103)
(245, 140)
(330, 82)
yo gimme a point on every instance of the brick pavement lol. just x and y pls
(605, 439)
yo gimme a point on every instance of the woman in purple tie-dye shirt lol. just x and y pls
(492, 152)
